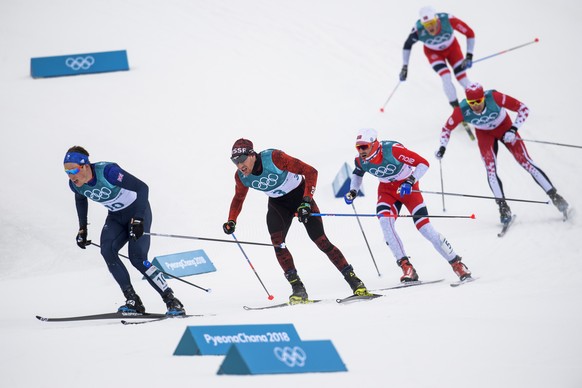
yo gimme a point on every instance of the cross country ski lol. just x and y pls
(116, 315)
(358, 298)
(410, 284)
(461, 282)
(286, 304)
(506, 226)
(136, 322)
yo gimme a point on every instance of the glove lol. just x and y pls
(136, 228)
(82, 241)
(467, 62)
(404, 73)
(229, 227)
(509, 136)
(350, 196)
(304, 210)
(406, 187)
(440, 153)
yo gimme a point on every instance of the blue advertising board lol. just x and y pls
(342, 181)
(75, 64)
(270, 358)
(217, 340)
(184, 263)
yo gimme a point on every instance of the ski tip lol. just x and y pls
(353, 298)
(41, 318)
(461, 282)
(567, 214)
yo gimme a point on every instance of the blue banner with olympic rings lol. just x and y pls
(75, 64)
(269, 358)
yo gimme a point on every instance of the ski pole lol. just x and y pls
(468, 129)
(479, 196)
(472, 216)
(551, 143)
(390, 96)
(270, 297)
(505, 51)
(163, 272)
(365, 239)
(214, 239)
(442, 184)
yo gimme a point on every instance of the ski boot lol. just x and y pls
(357, 286)
(175, 307)
(133, 304)
(460, 269)
(409, 273)
(299, 294)
(558, 202)
(504, 211)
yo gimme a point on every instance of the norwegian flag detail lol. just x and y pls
(120, 177)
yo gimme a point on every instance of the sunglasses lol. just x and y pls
(362, 147)
(429, 24)
(73, 171)
(239, 158)
(475, 102)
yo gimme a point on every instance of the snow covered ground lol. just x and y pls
(302, 76)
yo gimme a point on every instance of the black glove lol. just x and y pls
(136, 228)
(404, 73)
(350, 196)
(440, 153)
(304, 210)
(467, 62)
(82, 241)
(229, 227)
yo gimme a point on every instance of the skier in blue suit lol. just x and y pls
(129, 216)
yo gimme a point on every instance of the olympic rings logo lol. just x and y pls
(383, 171)
(485, 119)
(80, 63)
(265, 182)
(98, 194)
(291, 356)
(439, 39)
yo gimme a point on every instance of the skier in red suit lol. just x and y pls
(487, 112)
(436, 31)
(399, 169)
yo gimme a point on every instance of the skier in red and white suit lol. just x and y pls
(487, 111)
(399, 170)
(436, 31)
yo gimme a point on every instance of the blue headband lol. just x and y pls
(76, 157)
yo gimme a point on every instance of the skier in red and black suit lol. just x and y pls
(398, 169)
(436, 31)
(487, 111)
(290, 185)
